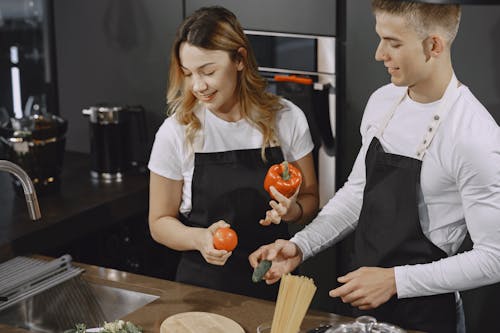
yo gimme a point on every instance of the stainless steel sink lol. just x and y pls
(74, 301)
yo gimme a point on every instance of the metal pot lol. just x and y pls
(117, 140)
(366, 324)
(36, 143)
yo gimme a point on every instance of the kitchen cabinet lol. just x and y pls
(126, 246)
(316, 17)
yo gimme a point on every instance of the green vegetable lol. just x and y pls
(261, 270)
(118, 326)
(79, 328)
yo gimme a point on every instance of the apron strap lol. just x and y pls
(449, 97)
(388, 116)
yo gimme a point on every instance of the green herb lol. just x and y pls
(118, 326)
(79, 328)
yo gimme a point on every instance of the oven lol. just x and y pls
(301, 68)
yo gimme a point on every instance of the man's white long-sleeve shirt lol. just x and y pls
(460, 191)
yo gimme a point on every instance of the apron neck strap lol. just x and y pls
(449, 97)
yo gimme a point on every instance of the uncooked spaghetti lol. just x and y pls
(294, 297)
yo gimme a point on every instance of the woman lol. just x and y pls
(210, 157)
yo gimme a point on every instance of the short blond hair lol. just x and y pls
(425, 18)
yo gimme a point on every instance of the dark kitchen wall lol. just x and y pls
(476, 56)
(112, 51)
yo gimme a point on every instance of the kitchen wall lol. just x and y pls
(116, 51)
(113, 51)
(293, 16)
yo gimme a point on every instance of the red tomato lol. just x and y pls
(225, 239)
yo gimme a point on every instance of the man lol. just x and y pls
(427, 173)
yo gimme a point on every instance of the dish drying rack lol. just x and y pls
(23, 277)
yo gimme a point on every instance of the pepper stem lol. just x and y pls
(286, 173)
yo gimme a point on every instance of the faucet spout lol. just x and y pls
(28, 188)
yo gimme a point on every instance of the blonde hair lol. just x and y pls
(423, 17)
(216, 28)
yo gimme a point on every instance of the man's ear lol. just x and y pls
(241, 60)
(434, 46)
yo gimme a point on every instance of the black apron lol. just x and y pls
(229, 186)
(389, 232)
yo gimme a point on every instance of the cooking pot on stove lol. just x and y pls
(118, 139)
(35, 142)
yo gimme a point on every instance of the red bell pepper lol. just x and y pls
(284, 177)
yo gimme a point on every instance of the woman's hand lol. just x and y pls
(206, 245)
(285, 257)
(283, 208)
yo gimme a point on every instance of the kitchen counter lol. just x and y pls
(176, 297)
(80, 207)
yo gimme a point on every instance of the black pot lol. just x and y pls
(36, 143)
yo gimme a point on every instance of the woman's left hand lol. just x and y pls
(283, 208)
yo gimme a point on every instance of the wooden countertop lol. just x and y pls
(176, 298)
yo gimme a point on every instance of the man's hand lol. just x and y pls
(367, 287)
(285, 257)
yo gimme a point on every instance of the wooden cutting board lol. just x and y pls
(199, 322)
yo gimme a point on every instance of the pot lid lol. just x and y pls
(38, 127)
(366, 324)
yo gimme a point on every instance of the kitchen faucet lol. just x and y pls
(28, 188)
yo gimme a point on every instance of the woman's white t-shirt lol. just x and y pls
(172, 158)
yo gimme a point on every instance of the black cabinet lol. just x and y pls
(126, 246)
(313, 17)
